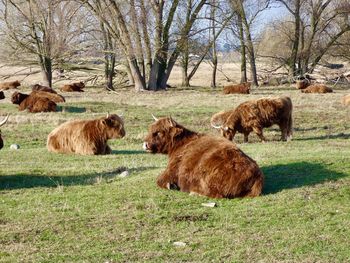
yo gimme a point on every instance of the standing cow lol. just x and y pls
(202, 164)
(254, 116)
(1, 124)
(86, 137)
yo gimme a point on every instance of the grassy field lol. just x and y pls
(68, 208)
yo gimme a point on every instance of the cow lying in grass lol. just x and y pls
(34, 102)
(255, 115)
(38, 87)
(317, 88)
(202, 164)
(9, 85)
(1, 124)
(243, 88)
(74, 87)
(86, 137)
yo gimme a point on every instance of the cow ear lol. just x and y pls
(175, 131)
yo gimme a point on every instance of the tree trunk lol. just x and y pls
(109, 71)
(214, 54)
(184, 69)
(243, 53)
(293, 58)
(46, 71)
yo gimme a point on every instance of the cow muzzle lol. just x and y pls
(145, 146)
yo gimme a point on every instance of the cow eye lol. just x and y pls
(155, 134)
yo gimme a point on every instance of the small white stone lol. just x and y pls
(179, 244)
(14, 147)
(124, 174)
(211, 204)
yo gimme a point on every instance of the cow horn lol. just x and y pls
(155, 118)
(107, 115)
(216, 127)
(4, 120)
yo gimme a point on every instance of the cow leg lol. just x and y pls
(108, 149)
(260, 134)
(165, 181)
(246, 137)
(283, 128)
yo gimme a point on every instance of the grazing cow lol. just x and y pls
(86, 137)
(10, 85)
(243, 88)
(201, 164)
(78, 86)
(2, 95)
(346, 100)
(1, 124)
(317, 88)
(33, 102)
(38, 87)
(254, 116)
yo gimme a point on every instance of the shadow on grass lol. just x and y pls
(325, 137)
(21, 181)
(295, 175)
(128, 152)
(71, 109)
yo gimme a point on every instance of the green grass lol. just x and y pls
(70, 208)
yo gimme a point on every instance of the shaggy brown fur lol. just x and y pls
(38, 87)
(202, 164)
(57, 98)
(243, 88)
(2, 122)
(317, 88)
(86, 137)
(9, 85)
(2, 95)
(254, 116)
(33, 102)
(346, 100)
(302, 84)
(78, 86)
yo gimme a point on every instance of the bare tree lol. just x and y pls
(128, 21)
(41, 28)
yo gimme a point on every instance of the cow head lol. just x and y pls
(2, 123)
(114, 126)
(80, 85)
(16, 83)
(18, 97)
(162, 134)
(228, 128)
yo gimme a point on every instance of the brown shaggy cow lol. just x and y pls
(254, 116)
(9, 85)
(86, 137)
(317, 88)
(33, 102)
(1, 124)
(243, 88)
(2, 95)
(78, 86)
(38, 87)
(346, 100)
(201, 164)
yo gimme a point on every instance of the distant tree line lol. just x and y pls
(150, 36)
